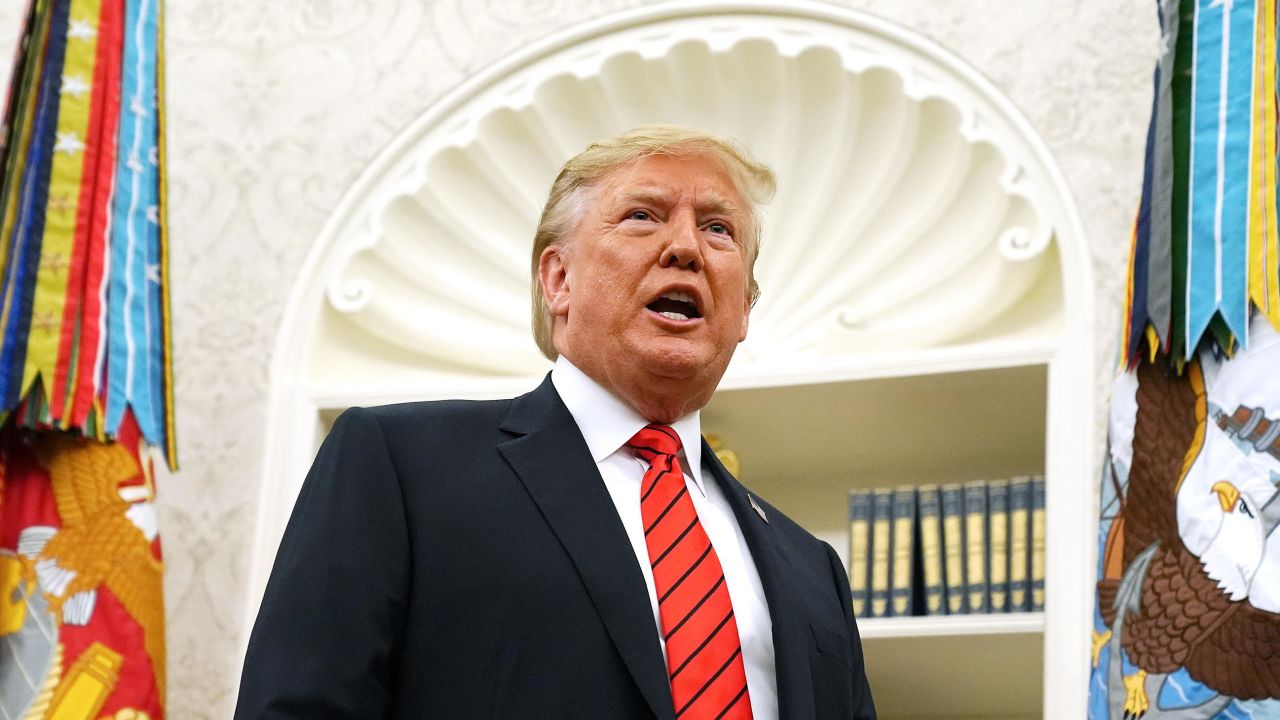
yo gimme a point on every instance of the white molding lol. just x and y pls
(362, 326)
(802, 371)
(951, 625)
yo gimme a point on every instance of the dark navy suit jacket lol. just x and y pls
(461, 560)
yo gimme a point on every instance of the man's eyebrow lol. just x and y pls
(716, 204)
(648, 195)
(708, 202)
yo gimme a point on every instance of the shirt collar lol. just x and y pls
(607, 422)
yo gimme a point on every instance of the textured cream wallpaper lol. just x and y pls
(274, 109)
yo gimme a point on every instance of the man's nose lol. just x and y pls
(684, 247)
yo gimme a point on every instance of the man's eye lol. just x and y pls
(639, 215)
(719, 228)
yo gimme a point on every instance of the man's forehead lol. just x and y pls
(701, 192)
(713, 190)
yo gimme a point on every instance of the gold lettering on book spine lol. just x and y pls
(975, 536)
(932, 556)
(1018, 557)
(1037, 555)
(952, 529)
(999, 538)
(880, 566)
(902, 528)
(858, 533)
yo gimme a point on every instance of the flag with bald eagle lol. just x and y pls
(1187, 614)
(85, 374)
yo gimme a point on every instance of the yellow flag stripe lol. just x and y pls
(170, 430)
(1128, 299)
(1264, 290)
(65, 176)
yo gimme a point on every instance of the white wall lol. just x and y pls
(274, 109)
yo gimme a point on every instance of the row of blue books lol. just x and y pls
(957, 548)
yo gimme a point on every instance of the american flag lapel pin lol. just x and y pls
(756, 506)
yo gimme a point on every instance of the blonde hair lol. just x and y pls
(571, 193)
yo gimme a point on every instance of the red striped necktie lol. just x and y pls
(704, 655)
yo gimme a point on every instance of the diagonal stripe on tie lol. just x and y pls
(705, 643)
(684, 577)
(655, 543)
(666, 510)
(686, 615)
(704, 653)
(693, 707)
(735, 704)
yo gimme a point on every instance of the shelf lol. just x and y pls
(952, 625)
(331, 387)
(959, 666)
(802, 447)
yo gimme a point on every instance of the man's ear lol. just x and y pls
(553, 273)
(746, 318)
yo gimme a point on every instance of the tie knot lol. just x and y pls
(655, 440)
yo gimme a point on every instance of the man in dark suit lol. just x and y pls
(576, 552)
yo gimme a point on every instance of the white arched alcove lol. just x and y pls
(927, 296)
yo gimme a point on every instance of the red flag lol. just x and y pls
(80, 576)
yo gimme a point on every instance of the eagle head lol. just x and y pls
(1227, 516)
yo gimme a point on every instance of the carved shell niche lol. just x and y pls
(911, 213)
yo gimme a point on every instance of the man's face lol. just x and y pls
(651, 285)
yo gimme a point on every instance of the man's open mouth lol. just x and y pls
(676, 305)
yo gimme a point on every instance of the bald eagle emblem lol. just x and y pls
(1188, 600)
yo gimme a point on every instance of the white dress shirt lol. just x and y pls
(607, 423)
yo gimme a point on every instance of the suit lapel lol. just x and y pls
(790, 633)
(553, 462)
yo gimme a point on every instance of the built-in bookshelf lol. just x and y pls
(804, 446)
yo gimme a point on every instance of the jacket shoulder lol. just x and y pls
(435, 410)
(432, 418)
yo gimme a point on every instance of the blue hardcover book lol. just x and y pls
(1037, 542)
(859, 549)
(976, 578)
(1019, 544)
(931, 554)
(903, 572)
(881, 550)
(953, 547)
(998, 541)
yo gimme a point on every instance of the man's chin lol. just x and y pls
(681, 361)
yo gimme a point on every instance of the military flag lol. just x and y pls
(1204, 254)
(1187, 614)
(86, 383)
